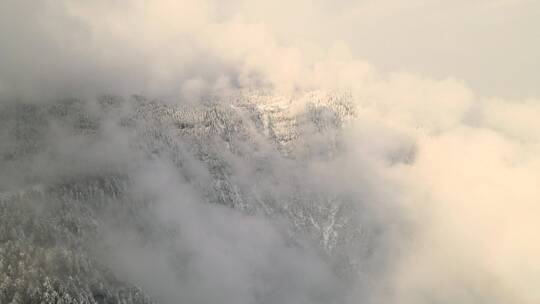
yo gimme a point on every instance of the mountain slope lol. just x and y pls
(92, 182)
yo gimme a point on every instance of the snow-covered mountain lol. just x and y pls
(92, 183)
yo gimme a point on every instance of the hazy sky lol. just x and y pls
(493, 45)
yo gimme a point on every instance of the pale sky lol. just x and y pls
(493, 45)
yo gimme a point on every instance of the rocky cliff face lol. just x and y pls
(79, 178)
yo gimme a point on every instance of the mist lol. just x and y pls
(199, 152)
